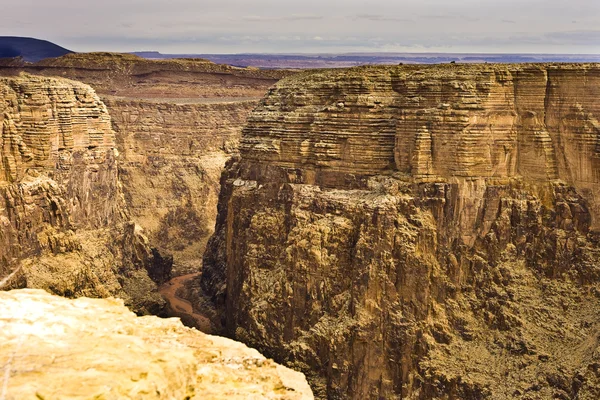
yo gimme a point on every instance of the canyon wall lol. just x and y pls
(176, 122)
(127, 75)
(418, 232)
(65, 225)
(171, 158)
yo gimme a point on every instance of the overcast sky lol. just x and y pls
(288, 26)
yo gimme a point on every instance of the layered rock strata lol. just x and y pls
(418, 232)
(56, 348)
(64, 223)
(127, 75)
(176, 122)
(171, 158)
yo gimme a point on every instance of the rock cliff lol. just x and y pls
(127, 75)
(64, 223)
(171, 158)
(176, 122)
(418, 232)
(56, 348)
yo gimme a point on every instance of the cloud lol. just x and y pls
(451, 17)
(575, 38)
(293, 17)
(291, 26)
(381, 18)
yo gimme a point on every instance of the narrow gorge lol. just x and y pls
(391, 232)
(418, 232)
(176, 122)
(67, 194)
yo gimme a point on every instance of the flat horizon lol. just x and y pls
(311, 26)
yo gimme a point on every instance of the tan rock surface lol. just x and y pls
(127, 75)
(64, 221)
(419, 232)
(171, 158)
(56, 348)
(176, 123)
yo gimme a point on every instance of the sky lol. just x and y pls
(310, 26)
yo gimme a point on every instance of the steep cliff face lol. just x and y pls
(176, 122)
(58, 348)
(63, 217)
(418, 232)
(171, 158)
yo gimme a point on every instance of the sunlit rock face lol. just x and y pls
(176, 122)
(171, 158)
(418, 231)
(64, 224)
(57, 348)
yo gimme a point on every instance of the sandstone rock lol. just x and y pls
(171, 158)
(418, 231)
(127, 75)
(56, 348)
(65, 225)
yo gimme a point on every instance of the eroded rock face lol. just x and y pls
(418, 232)
(64, 224)
(130, 76)
(176, 122)
(85, 348)
(171, 158)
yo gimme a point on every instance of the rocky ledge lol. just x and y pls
(56, 348)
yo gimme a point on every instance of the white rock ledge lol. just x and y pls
(57, 348)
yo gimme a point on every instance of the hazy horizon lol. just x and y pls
(352, 26)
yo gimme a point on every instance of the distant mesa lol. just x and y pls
(29, 49)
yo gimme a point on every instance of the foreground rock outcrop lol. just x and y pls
(64, 225)
(419, 232)
(56, 348)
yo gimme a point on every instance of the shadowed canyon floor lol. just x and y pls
(182, 307)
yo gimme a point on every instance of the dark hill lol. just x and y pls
(30, 49)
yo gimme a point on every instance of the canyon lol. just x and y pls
(415, 232)
(65, 224)
(94, 206)
(418, 232)
(176, 122)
